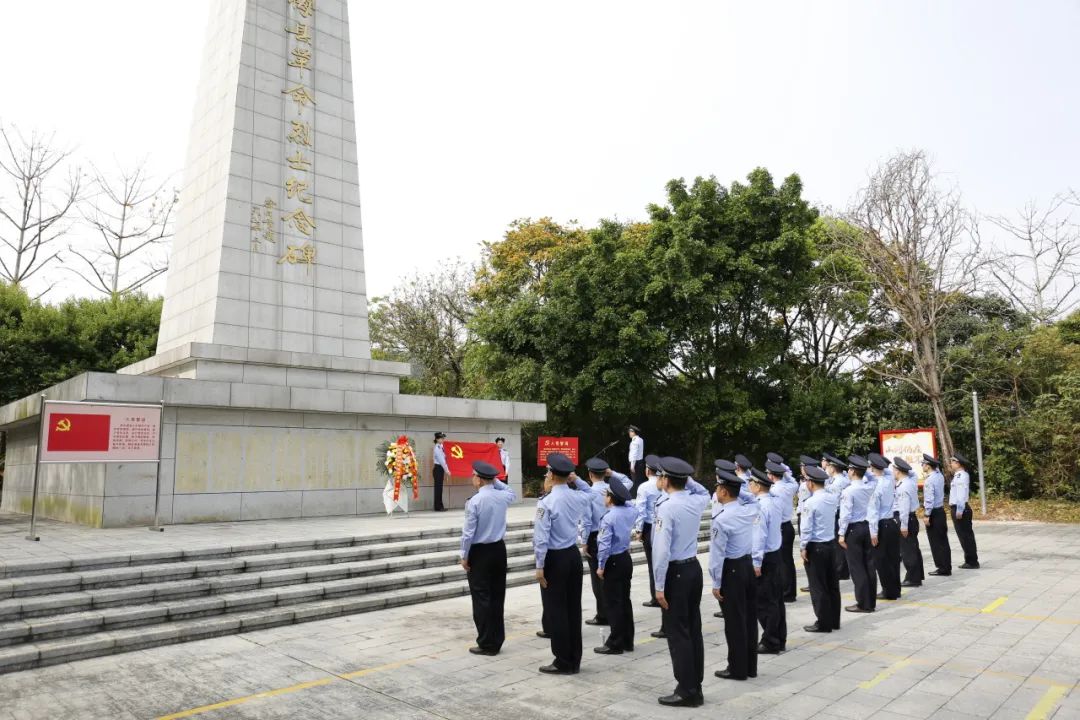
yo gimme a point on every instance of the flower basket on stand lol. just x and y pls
(397, 462)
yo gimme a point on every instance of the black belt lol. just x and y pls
(568, 547)
(858, 522)
(497, 542)
(687, 561)
(822, 543)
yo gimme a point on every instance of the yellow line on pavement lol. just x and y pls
(884, 674)
(1048, 702)
(286, 690)
(994, 605)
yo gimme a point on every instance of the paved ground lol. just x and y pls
(1000, 642)
(60, 539)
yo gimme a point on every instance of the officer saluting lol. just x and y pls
(838, 480)
(732, 570)
(678, 578)
(647, 495)
(615, 569)
(857, 514)
(937, 528)
(771, 612)
(817, 537)
(558, 561)
(904, 507)
(483, 555)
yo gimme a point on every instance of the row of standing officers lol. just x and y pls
(857, 518)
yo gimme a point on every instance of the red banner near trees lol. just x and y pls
(461, 455)
(568, 446)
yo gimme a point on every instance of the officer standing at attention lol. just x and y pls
(616, 569)
(857, 514)
(937, 528)
(838, 480)
(904, 507)
(679, 580)
(885, 537)
(598, 470)
(959, 491)
(771, 612)
(636, 455)
(558, 561)
(483, 555)
(805, 461)
(504, 457)
(647, 495)
(440, 470)
(817, 537)
(784, 490)
(732, 569)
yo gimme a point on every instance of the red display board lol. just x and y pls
(568, 446)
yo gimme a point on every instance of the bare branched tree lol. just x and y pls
(425, 322)
(41, 191)
(920, 249)
(1038, 265)
(132, 218)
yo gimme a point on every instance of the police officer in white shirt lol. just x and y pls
(959, 492)
(636, 455)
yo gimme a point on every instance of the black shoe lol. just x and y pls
(650, 603)
(805, 589)
(815, 629)
(440, 509)
(699, 699)
(857, 609)
(605, 650)
(969, 566)
(482, 651)
(596, 621)
(542, 634)
(718, 613)
(908, 583)
(659, 634)
(942, 573)
(677, 700)
(628, 648)
(554, 669)
(764, 649)
(883, 596)
(725, 674)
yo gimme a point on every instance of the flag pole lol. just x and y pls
(37, 467)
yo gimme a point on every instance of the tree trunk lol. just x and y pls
(699, 451)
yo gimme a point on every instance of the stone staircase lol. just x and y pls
(58, 611)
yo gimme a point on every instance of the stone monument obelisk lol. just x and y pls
(273, 405)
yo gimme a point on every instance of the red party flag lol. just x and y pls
(78, 432)
(461, 455)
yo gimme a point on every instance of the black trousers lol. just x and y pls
(438, 474)
(937, 532)
(739, 588)
(966, 535)
(646, 542)
(596, 583)
(824, 585)
(887, 557)
(788, 587)
(682, 623)
(616, 582)
(842, 570)
(771, 612)
(861, 564)
(910, 552)
(487, 586)
(562, 605)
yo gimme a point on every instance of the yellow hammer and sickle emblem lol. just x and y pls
(64, 425)
(456, 452)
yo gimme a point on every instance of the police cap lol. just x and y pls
(729, 480)
(725, 465)
(816, 474)
(559, 464)
(743, 461)
(760, 477)
(487, 471)
(834, 460)
(596, 465)
(809, 461)
(775, 468)
(962, 460)
(931, 461)
(902, 464)
(676, 467)
(877, 461)
(619, 493)
(858, 461)
(653, 462)
(775, 458)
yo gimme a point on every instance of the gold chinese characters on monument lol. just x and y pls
(296, 215)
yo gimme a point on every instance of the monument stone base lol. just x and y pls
(252, 435)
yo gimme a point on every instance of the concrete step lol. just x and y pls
(23, 568)
(115, 577)
(68, 649)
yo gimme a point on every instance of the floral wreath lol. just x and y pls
(397, 460)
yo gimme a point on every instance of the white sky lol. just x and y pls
(473, 113)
